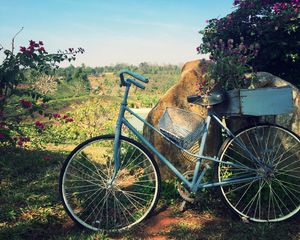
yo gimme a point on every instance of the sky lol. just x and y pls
(112, 31)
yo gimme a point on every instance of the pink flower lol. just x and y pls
(39, 125)
(41, 43)
(56, 115)
(2, 135)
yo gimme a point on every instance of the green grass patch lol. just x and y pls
(30, 207)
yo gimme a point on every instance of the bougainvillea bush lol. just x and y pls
(270, 29)
(18, 100)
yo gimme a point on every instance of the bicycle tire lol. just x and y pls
(274, 197)
(93, 203)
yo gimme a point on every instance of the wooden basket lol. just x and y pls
(257, 102)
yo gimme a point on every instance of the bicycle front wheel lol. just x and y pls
(267, 158)
(89, 196)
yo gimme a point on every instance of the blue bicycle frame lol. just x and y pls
(195, 183)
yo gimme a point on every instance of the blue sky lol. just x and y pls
(113, 31)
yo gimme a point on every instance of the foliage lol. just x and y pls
(229, 67)
(271, 24)
(84, 120)
(17, 102)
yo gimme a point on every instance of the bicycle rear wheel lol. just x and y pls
(89, 198)
(275, 195)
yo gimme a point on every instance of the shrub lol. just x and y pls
(17, 99)
(271, 24)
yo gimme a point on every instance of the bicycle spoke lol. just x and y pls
(281, 161)
(96, 168)
(86, 208)
(133, 196)
(249, 205)
(81, 171)
(285, 191)
(79, 179)
(238, 188)
(289, 175)
(258, 203)
(244, 194)
(78, 192)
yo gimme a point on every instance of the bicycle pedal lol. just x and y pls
(245, 220)
(183, 207)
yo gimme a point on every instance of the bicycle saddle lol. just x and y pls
(214, 97)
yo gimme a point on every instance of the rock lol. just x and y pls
(176, 96)
(193, 72)
(290, 121)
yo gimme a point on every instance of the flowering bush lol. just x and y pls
(229, 68)
(16, 102)
(273, 25)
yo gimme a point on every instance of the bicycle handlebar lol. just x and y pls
(133, 74)
(134, 82)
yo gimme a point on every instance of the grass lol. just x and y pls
(30, 207)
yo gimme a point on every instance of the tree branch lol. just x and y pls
(13, 40)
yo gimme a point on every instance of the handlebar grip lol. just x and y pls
(133, 74)
(135, 83)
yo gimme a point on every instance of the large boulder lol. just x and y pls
(193, 72)
(176, 96)
(290, 121)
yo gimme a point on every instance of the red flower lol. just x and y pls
(69, 120)
(2, 135)
(46, 158)
(25, 104)
(24, 139)
(23, 49)
(30, 49)
(41, 43)
(42, 49)
(32, 43)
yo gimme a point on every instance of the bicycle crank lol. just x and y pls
(183, 192)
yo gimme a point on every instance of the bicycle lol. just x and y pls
(112, 182)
